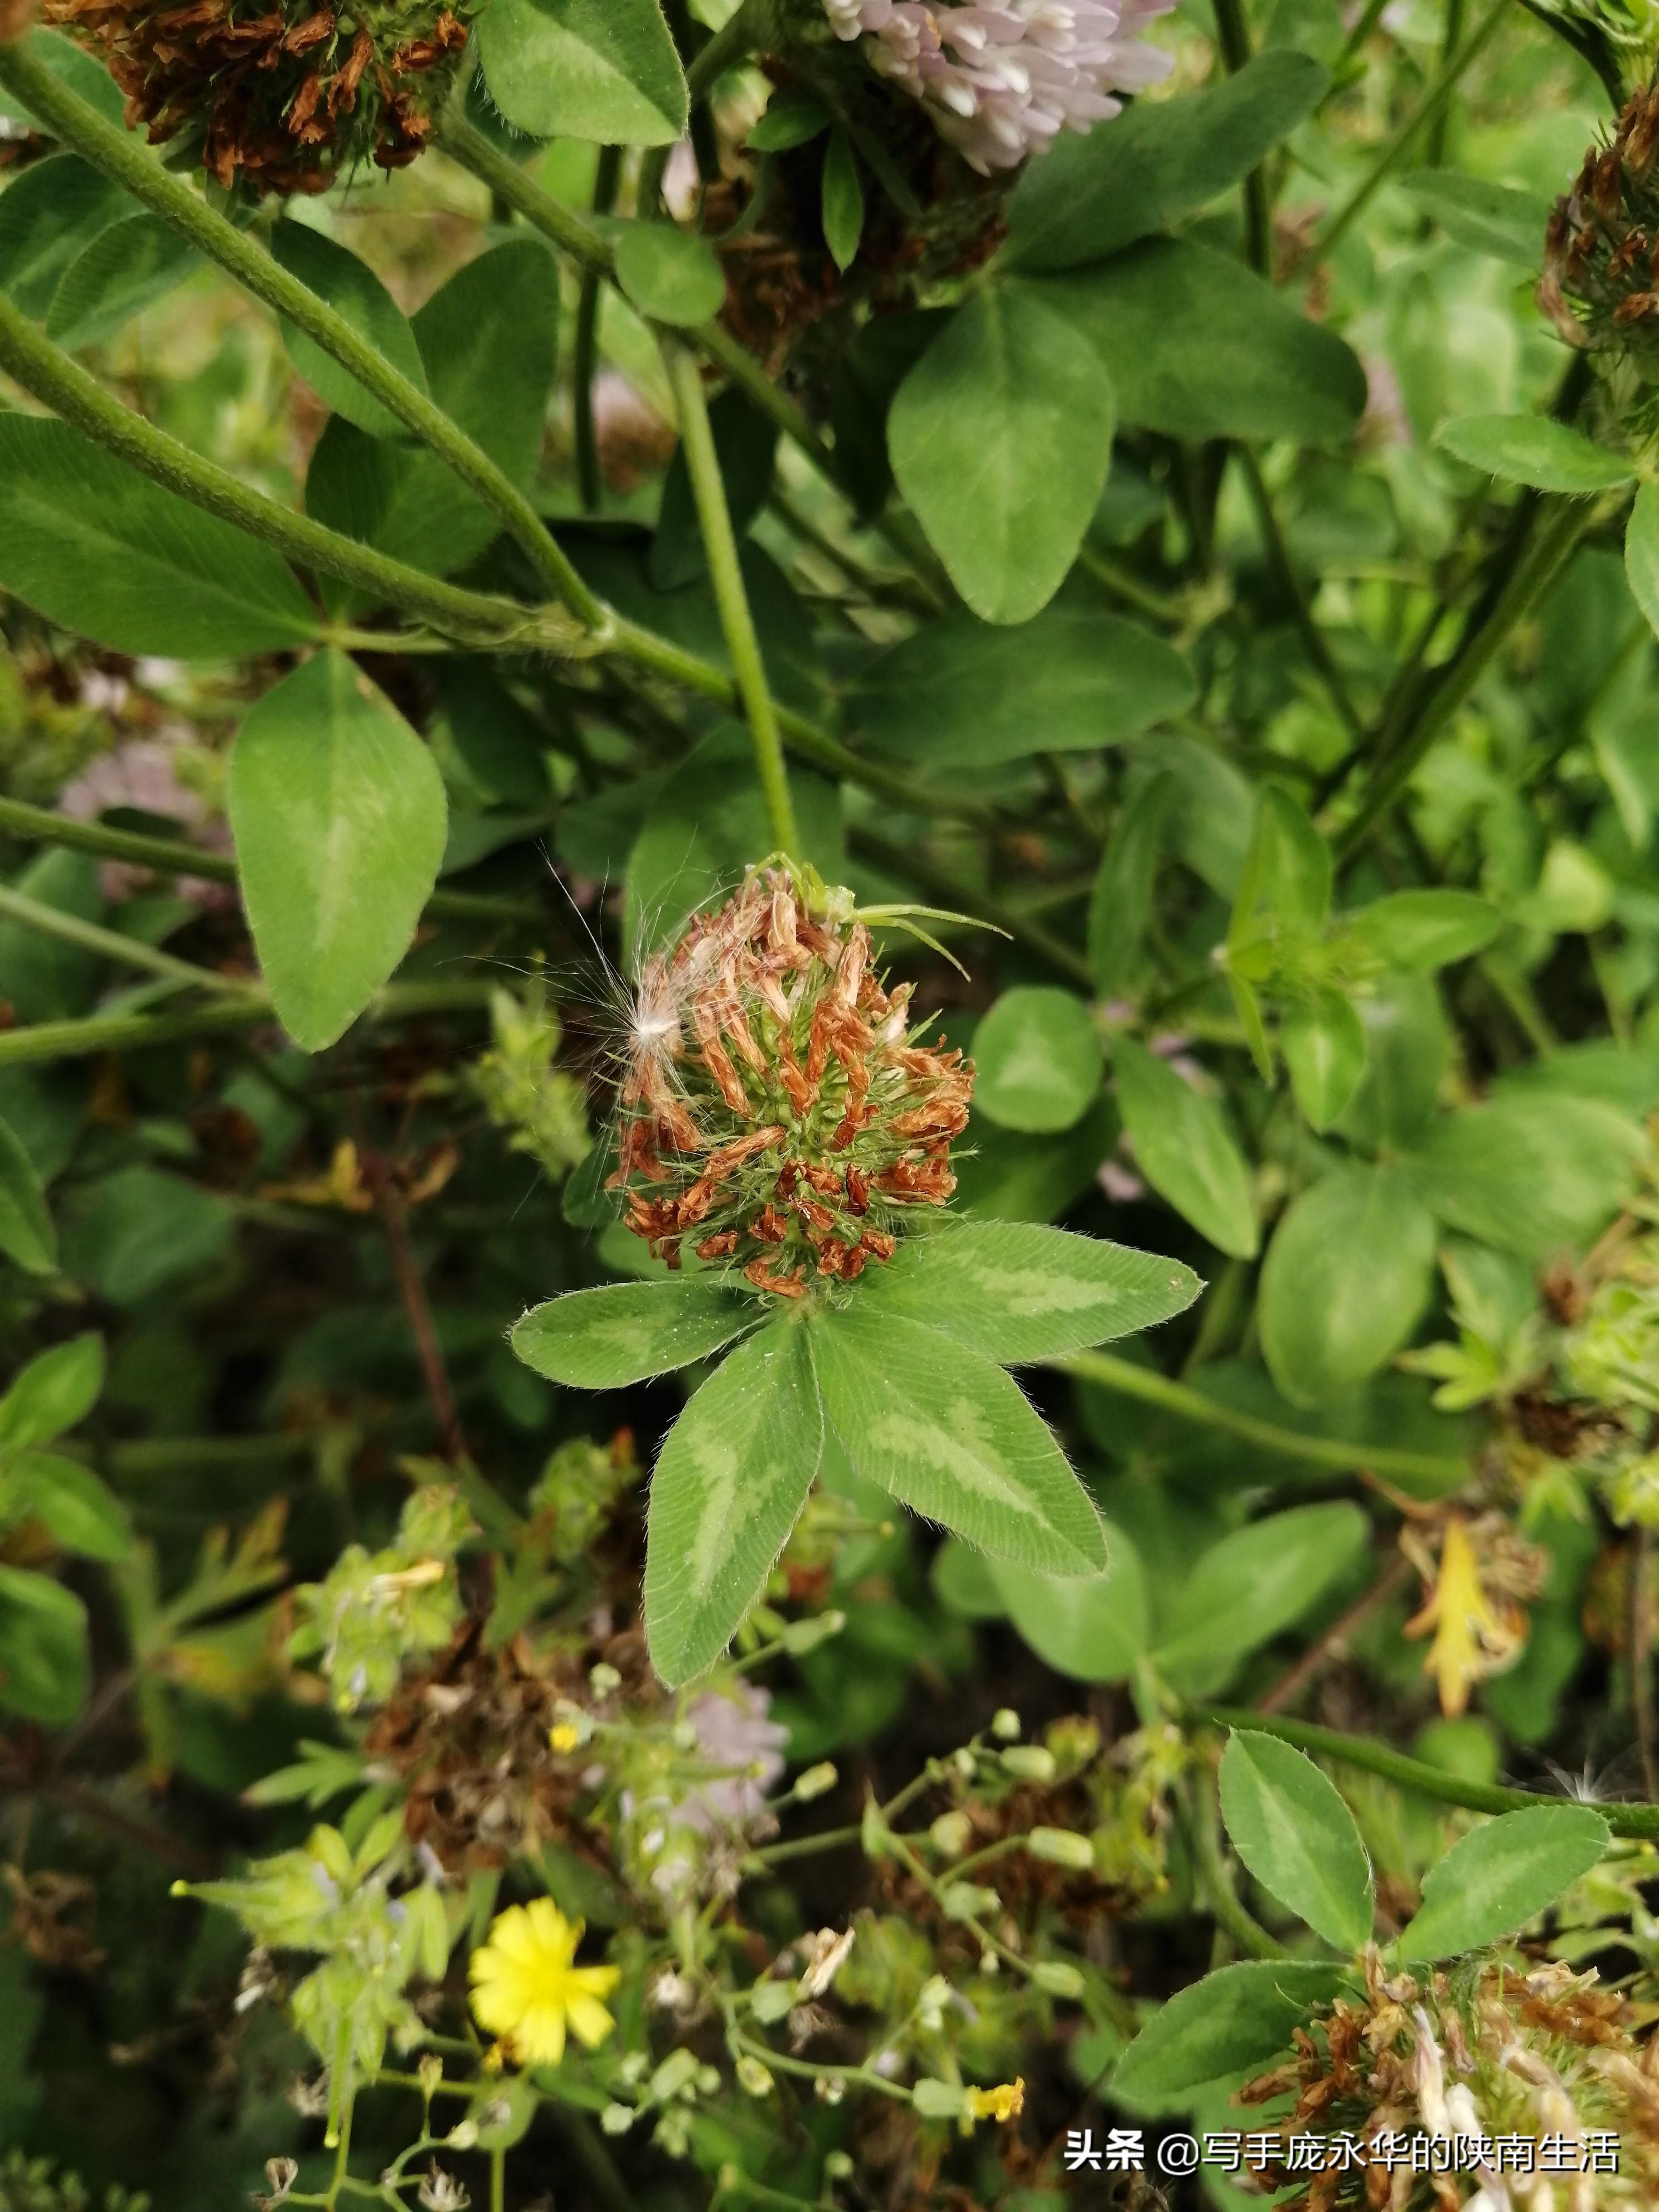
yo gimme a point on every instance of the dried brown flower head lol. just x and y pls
(776, 1106)
(1600, 281)
(470, 1740)
(1488, 2053)
(290, 97)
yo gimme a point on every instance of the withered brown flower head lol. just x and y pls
(289, 96)
(1600, 281)
(776, 1106)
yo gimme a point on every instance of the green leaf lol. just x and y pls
(1500, 1875)
(670, 274)
(1252, 1585)
(1292, 1829)
(1000, 438)
(603, 1338)
(962, 693)
(1094, 194)
(1199, 346)
(1531, 449)
(1287, 869)
(1346, 1278)
(604, 71)
(1039, 1054)
(1531, 1174)
(45, 1666)
(53, 1392)
(78, 1509)
(1016, 1291)
(729, 1486)
(1642, 552)
(338, 813)
(745, 445)
(1406, 1049)
(128, 1233)
(489, 342)
(1423, 930)
(965, 1581)
(842, 205)
(1094, 1628)
(1324, 1048)
(949, 1436)
(1487, 218)
(105, 553)
(1121, 903)
(1228, 2025)
(26, 1235)
(48, 217)
(355, 292)
(1185, 1149)
(125, 270)
(792, 118)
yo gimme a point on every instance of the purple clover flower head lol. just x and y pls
(1002, 81)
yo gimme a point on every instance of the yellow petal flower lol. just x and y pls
(528, 1989)
(1472, 1636)
(1006, 2102)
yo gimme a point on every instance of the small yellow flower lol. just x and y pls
(564, 1737)
(1473, 1636)
(1006, 2102)
(528, 1989)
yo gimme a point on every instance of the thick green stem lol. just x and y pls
(1534, 569)
(37, 1042)
(726, 574)
(1640, 1821)
(169, 856)
(1446, 80)
(1233, 36)
(110, 945)
(584, 352)
(1332, 1452)
(60, 383)
(109, 150)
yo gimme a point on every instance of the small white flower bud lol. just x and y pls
(1061, 1848)
(1005, 1723)
(1029, 1761)
(951, 1833)
(816, 1780)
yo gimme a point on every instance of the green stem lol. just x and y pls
(1225, 1907)
(1278, 562)
(1639, 1820)
(93, 1033)
(468, 147)
(498, 2181)
(726, 574)
(1533, 570)
(584, 352)
(110, 945)
(1445, 82)
(113, 151)
(169, 856)
(1332, 1452)
(1233, 36)
(1370, 16)
(47, 372)
(1434, 145)
(733, 42)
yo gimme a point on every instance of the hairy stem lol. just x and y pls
(1566, 522)
(51, 376)
(170, 856)
(110, 945)
(1156, 1389)
(116, 154)
(726, 572)
(1445, 81)
(1202, 1824)
(1278, 562)
(1639, 1820)
(93, 1033)
(1233, 36)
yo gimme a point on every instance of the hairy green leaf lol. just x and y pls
(1346, 1278)
(1185, 1149)
(1500, 1875)
(622, 1333)
(604, 71)
(1292, 1829)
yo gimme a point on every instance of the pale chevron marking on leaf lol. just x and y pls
(964, 1456)
(1032, 1292)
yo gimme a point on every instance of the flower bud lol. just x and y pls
(777, 1107)
(1005, 1724)
(616, 2119)
(802, 1636)
(963, 1900)
(1061, 1848)
(754, 2077)
(816, 1780)
(951, 1833)
(1059, 1978)
(1029, 1761)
